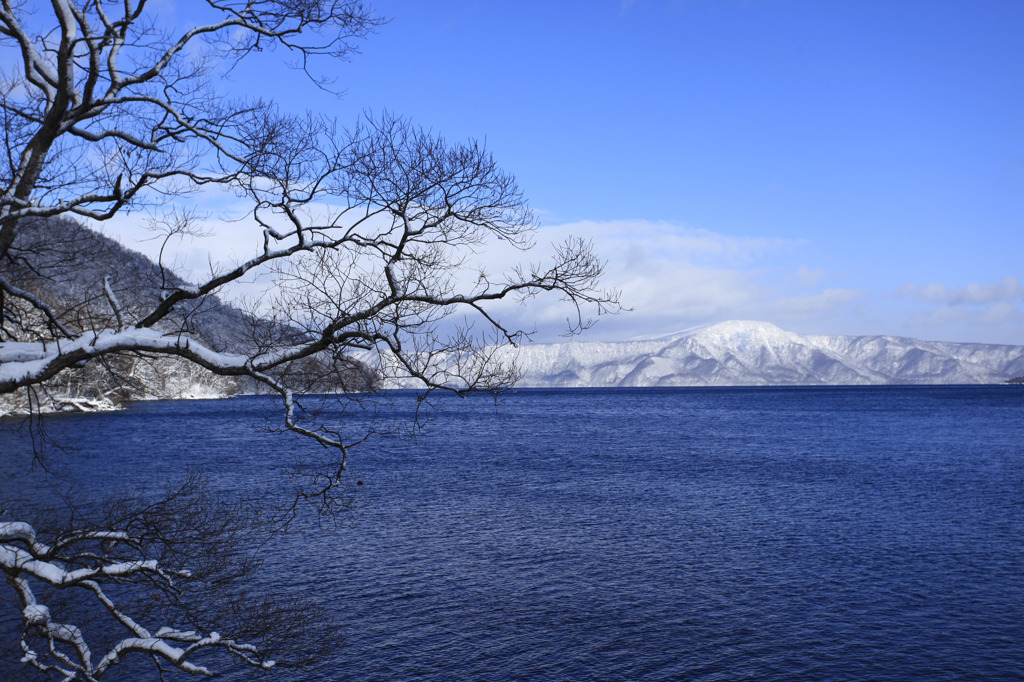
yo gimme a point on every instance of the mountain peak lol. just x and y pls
(753, 353)
(732, 328)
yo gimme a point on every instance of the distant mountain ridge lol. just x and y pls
(742, 353)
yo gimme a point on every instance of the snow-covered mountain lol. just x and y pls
(760, 354)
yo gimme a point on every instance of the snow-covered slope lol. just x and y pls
(760, 354)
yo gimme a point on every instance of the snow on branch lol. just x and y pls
(365, 240)
(95, 592)
(25, 561)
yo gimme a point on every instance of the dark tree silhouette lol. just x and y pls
(365, 237)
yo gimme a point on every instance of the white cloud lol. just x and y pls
(669, 241)
(675, 276)
(1000, 313)
(822, 302)
(1005, 289)
(808, 277)
(227, 240)
(993, 311)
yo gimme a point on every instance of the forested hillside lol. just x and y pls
(93, 281)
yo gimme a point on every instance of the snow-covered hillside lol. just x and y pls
(761, 354)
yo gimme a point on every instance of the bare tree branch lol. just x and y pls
(182, 557)
(365, 240)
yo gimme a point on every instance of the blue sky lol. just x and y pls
(850, 167)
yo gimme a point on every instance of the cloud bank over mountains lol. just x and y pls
(673, 276)
(978, 305)
(676, 275)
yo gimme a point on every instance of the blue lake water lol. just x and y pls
(649, 534)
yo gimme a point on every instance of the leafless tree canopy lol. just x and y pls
(91, 587)
(366, 236)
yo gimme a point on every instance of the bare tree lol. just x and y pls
(367, 237)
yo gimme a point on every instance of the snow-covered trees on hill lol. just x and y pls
(363, 238)
(70, 267)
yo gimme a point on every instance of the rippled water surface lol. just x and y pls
(699, 534)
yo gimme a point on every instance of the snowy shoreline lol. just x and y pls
(19, 406)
